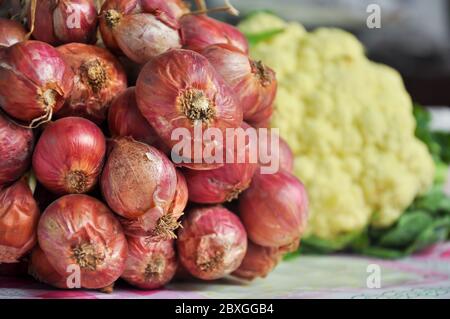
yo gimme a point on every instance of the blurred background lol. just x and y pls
(414, 36)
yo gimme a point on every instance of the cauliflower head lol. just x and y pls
(350, 124)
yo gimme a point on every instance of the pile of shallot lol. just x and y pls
(91, 188)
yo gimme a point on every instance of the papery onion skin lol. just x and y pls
(181, 88)
(200, 31)
(284, 155)
(169, 11)
(19, 215)
(225, 183)
(69, 156)
(160, 224)
(16, 148)
(125, 119)
(40, 269)
(181, 196)
(212, 242)
(143, 36)
(81, 230)
(108, 12)
(150, 264)
(141, 29)
(58, 22)
(11, 32)
(138, 178)
(274, 209)
(99, 78)
(38, 72)
(254, 84)
(258, 262)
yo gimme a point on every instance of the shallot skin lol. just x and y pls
(40, 268)
(11, 32)
(179, 89)
(253, 83)
(157, 223)
(138, 178)
(150, 264)
(16, 149)
(66, 21)
(141, 29)
(225, 183)
(69, 156)
(212, 242)
(284, 155)
(80, 230)
(258, 262)
(142, 37)
(125, 119)
(99, 78)
(274, 209)
(201, 31)
(39, 73)
(19, 215)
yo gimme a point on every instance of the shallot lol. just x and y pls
(150, 264)
(274, 209)
(212, 242)
(19, 215)
(99, 78)
(41, 79)
(79, 233)
(69, 156)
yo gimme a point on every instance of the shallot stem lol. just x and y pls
(229, 8)
(33, 18)
(201, 5)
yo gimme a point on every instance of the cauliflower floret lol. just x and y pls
(349, 122)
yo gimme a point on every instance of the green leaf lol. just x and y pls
(255, 38)
(423, 131)
(380, 252)
(408, 227)
(438, 231)
(316, 245)
(435, 201)
(443, 139)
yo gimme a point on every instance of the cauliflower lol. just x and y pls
(349, 122)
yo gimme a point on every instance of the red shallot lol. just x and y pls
(125, 119)
(225, 183)
(258, 262)
(137, 179)
(181, 90)
(150, 264)
(11, 32)
(64, 21)
(19, 215)
(274, 209)
(38, 72)
(212, 242)
(16, 148)
(200, 31)
(141, 29)
(40, 268)
(99, 77)
(78, 231)
(160, 224)
(253, 83)
(69, 156)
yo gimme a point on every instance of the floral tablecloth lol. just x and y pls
(426, 275)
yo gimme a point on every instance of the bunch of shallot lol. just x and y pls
(142, 157)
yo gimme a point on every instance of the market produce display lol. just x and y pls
(89, 104)
(351, 127)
